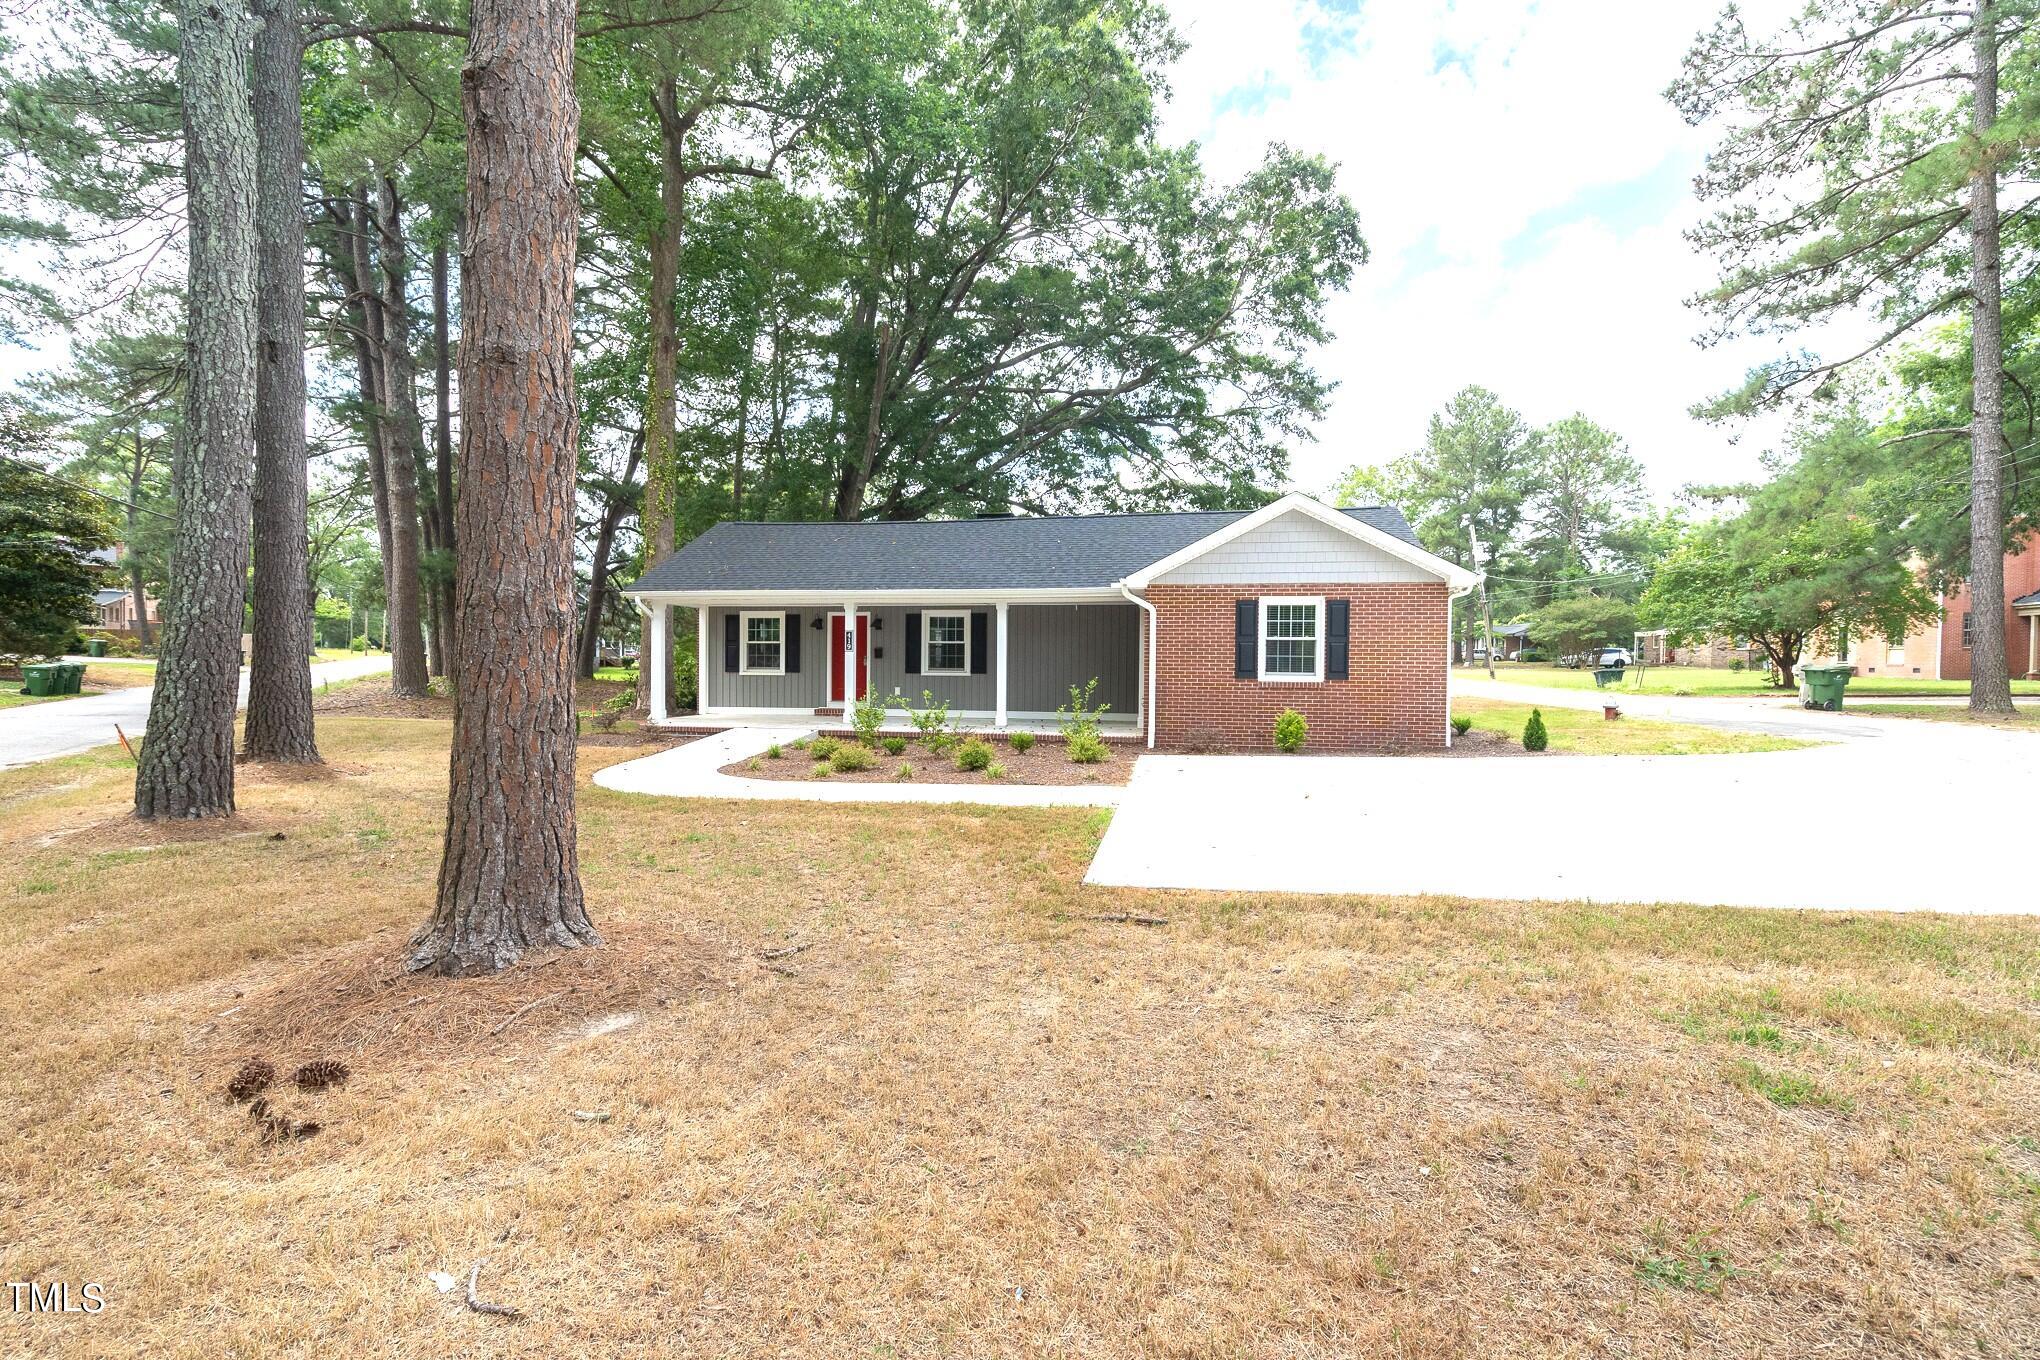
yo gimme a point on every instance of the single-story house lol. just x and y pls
(1510, 640)
(1199, 626)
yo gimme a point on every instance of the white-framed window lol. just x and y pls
(1292, 638)
(945, 644)
(764, 638)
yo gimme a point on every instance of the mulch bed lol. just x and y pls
(1046, 763)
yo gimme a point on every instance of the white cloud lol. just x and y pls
(1523, 185)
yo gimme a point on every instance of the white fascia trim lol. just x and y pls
(1452, 574)
(833, 599)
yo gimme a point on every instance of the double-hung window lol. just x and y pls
(764, 644)
(1292, 638)
(945, 644)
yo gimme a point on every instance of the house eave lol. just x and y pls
(835, 597)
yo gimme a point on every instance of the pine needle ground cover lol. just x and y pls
(856, 1081)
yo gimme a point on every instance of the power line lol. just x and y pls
(80, 486)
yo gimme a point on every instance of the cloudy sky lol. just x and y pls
(1522, 184)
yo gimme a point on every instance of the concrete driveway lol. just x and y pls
(1893, 815)
(35, 732)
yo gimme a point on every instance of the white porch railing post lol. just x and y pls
(999, 706)
(661, 658)
(700, 660)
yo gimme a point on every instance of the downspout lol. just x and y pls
(1450, 598)
(1154, 659)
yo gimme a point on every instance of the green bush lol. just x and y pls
(1535, 738)
(1290, 731)
(1461, 725)
(894, 745)
(973, 755)
(822, 748)
(1087, 748)
(905, 771)
(931, 720)
(995, 771)
(1023, 742)
(357, 644)
(773, 751)
(1077, 718)
(867, 717)
(851, 759)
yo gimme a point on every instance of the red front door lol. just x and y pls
(837, 652)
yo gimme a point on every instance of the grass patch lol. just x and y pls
(1708, 681)
(1583, 732)
(2027, 721)
(886, 1062)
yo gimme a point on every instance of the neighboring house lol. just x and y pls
(1200, 627)
(1510, 640)
(117, 610)
(1956, 630)
(1655, 648)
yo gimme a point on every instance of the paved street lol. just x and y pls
(1842, 826)
(35, 732)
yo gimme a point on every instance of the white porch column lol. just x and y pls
(700, 660)
(662, 652)
(851, 644)
(2032, 643)
(999, 703)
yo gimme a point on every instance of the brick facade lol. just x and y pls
(2022, 577)
(1395, 699)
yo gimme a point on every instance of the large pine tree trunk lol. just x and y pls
(279, 680)
(509, 880)
(1990, 686)
(402, 439)
(187, 760)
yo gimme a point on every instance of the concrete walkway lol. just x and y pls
(1852, 825)
(64, 727)
(695, 771)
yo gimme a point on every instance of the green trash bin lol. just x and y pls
(40, 681)
(95, 646)
(1606, 676)
(1822, 686)
(74, 679)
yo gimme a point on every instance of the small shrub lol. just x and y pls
(995, 770)
(1077, 718)
(905, 771)
(798, 744)
(1087, 748)
(851, 758)
(973, 755)
(867, 717)
(1461, 725)
(773, 752)
(931, 720)
(756, 764)
(822, 748)
(820, 770)
(1535, 738)
(1290, 731)
(894, 745)
(1023, 742)
(1736, 664)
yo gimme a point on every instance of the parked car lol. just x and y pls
(1614, 656)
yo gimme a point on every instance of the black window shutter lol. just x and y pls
(914, 643)
(1246, 639)
(979, 647)
(793, 644)
(730, 624)
(1337, 627)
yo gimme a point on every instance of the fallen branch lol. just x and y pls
(125, 745)
(479, 1305)
(1126, 918)
(591, 1116)
(780, 969)
(518, 1014)
(786, 951)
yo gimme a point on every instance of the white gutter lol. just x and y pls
(1154, 659)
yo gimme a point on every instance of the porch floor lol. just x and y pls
(1113, 726)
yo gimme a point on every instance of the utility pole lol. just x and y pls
(1487, 618)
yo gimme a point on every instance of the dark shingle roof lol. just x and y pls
(2025, 600)
(1072, 552)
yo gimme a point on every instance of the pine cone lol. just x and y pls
(318, 1075)
(254, 1075)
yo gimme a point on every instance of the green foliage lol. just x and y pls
(1077, 718)
(1023, 742)
(973, 755)
(1698, 1265)
(893, 745)
(48, 531)
(1535, 738)
(773, 752)
(931, 720)
(867, 717)
(1461, 725)
(851, 758)
(1290, 731)
(1583, 624)
(995, 770)
(823, 748)
(904, 770)
(1087, 748)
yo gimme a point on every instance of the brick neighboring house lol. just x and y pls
(1940, 650)
(1200, 626)
(117, 610)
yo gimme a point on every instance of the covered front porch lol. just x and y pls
(1001, 663)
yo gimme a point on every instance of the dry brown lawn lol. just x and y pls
(962, 1119)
